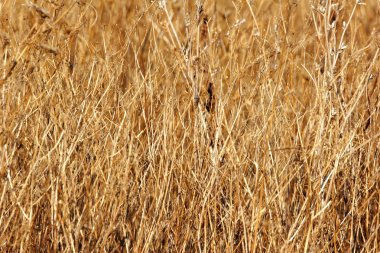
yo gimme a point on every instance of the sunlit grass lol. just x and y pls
(189, 126)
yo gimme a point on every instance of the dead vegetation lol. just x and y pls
(189, 126)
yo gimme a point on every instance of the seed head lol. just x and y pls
(376, 38)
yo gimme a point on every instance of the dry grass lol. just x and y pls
(189, 126)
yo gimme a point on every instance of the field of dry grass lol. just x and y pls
(189, 126)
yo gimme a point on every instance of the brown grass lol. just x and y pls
(189, 126)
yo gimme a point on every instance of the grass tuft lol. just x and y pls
(189, 126)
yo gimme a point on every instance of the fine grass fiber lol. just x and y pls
(189, 126)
